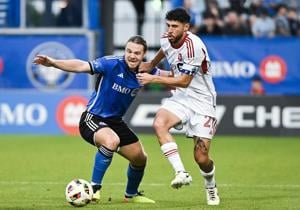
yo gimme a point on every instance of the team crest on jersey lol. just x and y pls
(49, 78)
(180, 57)
(134, 92)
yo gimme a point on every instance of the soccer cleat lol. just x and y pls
(212, 196)
(181, 178)
(96, 193)
(139, 198)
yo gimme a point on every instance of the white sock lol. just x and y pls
(209, 178)
(170, 151)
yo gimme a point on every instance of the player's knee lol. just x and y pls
(111, 143)
(159, 124)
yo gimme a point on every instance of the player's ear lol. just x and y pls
(186, 27)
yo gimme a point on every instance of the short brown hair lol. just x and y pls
(138, 40)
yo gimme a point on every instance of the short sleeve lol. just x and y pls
(98, 65)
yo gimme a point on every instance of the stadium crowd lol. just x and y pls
(259, 18)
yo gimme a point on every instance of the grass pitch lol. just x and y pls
(252, 173)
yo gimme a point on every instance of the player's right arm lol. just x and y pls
(71, 65)
(148, 66)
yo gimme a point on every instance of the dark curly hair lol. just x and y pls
(178, 14)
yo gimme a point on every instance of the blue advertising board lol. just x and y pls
(36, 112)
(236, 60)
(18, 51)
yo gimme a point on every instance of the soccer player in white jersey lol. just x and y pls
(193, 102)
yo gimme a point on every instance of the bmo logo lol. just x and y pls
(69, 112)
(273, 69)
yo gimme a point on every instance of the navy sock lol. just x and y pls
(103, 159)
(134, 178)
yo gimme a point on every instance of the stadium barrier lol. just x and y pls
(36, 112)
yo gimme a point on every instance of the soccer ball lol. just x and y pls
(79, 192)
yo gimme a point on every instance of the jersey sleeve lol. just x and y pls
(198, 61)
(98, 66)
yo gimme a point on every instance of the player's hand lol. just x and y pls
(43, 60)
(145, 67)
(144, 78)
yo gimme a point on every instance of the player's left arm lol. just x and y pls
(166, 78)
(180, 81)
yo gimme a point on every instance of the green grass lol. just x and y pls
(252, 173)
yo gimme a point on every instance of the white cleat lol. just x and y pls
(212, 196)
(181, 178)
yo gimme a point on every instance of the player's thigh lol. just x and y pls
(126, 135)
(96, 132)
(135, 153)
(106, 137)
(171, 113)
(201, 126)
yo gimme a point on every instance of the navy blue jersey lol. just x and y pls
(115, 89)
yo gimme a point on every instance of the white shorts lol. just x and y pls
(196, 124)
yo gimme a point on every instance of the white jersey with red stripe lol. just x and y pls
(191, 57)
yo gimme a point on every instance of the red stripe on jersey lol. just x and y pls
(188, 48)
(191, 47)
(204, 65)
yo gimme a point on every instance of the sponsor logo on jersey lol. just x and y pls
(68, 113)
(46, 78)
(120, 75)
(121, 89)
(273, 69)
(134, 92)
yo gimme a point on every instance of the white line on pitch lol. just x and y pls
(154, 184)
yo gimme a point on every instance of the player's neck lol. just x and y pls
(180, 42)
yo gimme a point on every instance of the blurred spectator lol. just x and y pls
(257, 87)
(70, 14)
(263, 25)
(238, 6)
(224, 4)
(212, 8)
(234, 25)
(281, 21)
(256, 8)
(294, 22)
(195, 17)
(293, 4)
(210, 26)
(272, 6)
(212, 23)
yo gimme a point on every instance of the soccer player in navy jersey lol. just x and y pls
(101, 124)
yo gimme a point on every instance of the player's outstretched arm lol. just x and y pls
(148, 66)
(71, 65)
